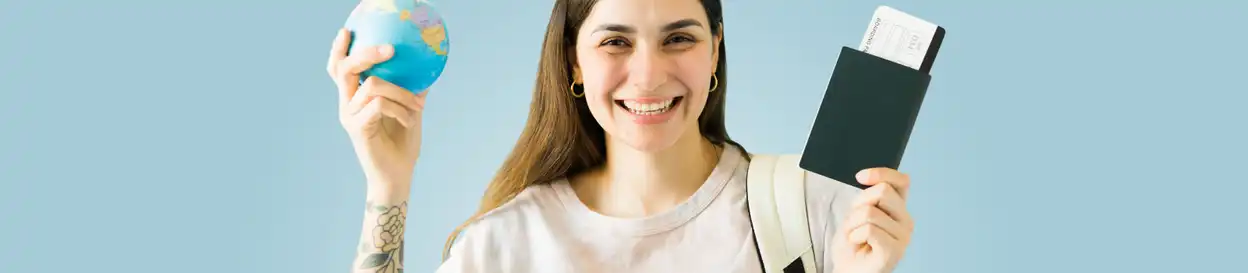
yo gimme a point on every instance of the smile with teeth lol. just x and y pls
(652, 108)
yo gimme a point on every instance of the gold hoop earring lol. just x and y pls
(572, 89)
(714, 82)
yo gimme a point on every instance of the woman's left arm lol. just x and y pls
(876, 232)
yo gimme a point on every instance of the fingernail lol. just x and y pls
(862, 175)
(385, 50)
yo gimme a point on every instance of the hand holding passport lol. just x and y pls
(873, 98)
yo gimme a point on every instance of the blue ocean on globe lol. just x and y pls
(417, 33)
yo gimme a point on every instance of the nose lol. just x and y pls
(648, 69)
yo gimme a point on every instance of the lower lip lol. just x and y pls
(652, 118)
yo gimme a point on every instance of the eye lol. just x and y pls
(614, 42)
(680, 43)
(615, 45)
(681, 39)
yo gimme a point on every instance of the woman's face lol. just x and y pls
(646, 68)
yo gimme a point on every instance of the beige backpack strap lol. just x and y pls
(776, 196)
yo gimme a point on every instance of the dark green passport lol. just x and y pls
(866, 116)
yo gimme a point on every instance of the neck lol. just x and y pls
(636, 183)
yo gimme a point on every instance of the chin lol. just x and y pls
(649, 143)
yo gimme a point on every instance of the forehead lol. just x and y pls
(645, 14)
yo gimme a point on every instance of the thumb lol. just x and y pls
(864, 177)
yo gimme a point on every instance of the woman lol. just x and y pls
(624, 164)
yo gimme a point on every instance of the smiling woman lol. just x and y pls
(624, 165)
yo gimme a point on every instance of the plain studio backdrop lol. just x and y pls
(201, 136)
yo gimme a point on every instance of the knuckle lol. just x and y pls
(384, 104)
(370, 106)
(885, 188)
(372, 83)
(875, 192)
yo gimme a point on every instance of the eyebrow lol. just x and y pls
(669, 27)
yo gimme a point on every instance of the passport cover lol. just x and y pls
(865, 118)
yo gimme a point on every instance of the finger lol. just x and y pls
(875, 176)
(391, 109)
(362, 60)
(870, 216)
(377, 87)
(338, 50)
(346, 86)
(349, 69)
(874, 236)
(368, 114)
(888, 200)
(380, 108)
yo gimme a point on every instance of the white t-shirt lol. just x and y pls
(546, 229)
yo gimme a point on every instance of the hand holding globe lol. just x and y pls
(389, 53)
(415, 30)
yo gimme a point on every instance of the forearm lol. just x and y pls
(381, 239)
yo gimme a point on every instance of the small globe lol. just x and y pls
(417, 33)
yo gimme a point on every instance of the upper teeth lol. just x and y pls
(636, 106)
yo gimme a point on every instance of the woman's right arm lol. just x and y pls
(381, 242)
(383, 122)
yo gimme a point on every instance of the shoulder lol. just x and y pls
(506, 234)
(530, 209)
(534, 202)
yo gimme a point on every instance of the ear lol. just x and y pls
(719, 39)
(576, 68)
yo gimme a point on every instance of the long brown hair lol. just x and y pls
(561, 136)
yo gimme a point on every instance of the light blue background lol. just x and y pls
(200, 136)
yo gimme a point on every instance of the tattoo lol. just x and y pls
(381, 248)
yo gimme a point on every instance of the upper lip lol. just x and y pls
(649, 98)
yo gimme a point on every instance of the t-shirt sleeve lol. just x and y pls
(827, 203)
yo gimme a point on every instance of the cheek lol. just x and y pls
(695, 68)
(696, 76)
(600, 76)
